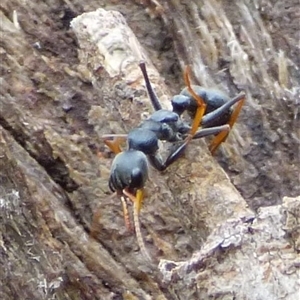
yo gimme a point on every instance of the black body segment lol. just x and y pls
(129, 170)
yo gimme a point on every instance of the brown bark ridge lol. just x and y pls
(54, 108)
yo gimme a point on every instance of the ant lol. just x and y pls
(129, 170)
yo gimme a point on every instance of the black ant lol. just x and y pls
(129, 170)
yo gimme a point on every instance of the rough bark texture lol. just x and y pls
(62, 88)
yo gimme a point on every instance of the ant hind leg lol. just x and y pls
(222, 136)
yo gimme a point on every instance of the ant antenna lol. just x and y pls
(152, 95)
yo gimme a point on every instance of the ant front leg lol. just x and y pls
(211, 131)
(114, 145)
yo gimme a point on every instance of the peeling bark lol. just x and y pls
(244, 260)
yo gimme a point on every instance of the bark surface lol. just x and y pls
(63, 87)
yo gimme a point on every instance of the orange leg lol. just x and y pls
(201, 104)
(114, 145)
(222, 136)
(136, 200)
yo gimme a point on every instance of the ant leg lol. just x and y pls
(210, 131)
(114, 145)
(199, 134)
(222, 136)
(137, 204)
(152, 95)
(201, 104)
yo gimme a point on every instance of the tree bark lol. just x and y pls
(55, 105)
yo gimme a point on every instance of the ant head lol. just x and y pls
(143, 139)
